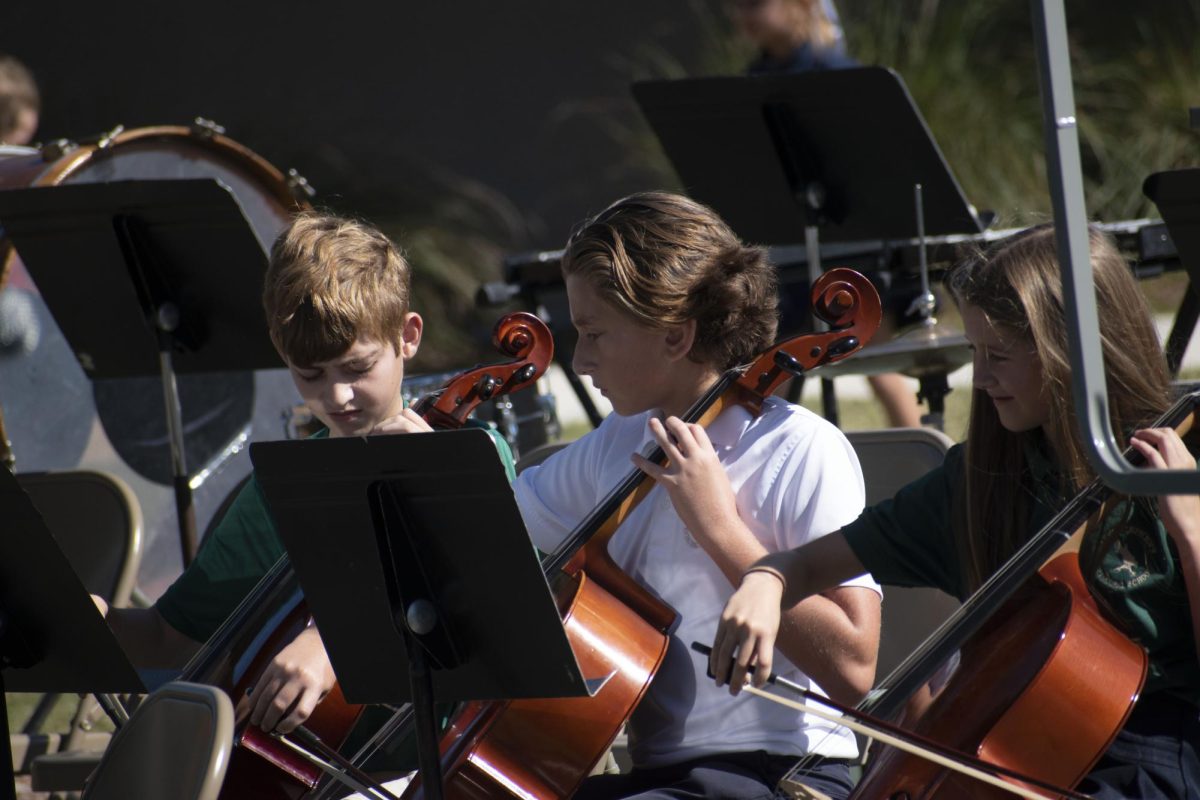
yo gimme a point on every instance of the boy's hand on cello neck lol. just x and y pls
(407, 421)
(696, 483)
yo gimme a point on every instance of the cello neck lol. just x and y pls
(625, 496)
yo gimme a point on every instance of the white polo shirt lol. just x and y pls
(795, 478)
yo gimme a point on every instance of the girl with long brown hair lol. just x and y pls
(1023, 458)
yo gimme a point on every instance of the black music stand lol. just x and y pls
(148, 277)
(419, 573)
(52, 638)
(834, 154)
(839, 150)
(1177, 195)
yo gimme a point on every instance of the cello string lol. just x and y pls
(397, 723)
(336, 767)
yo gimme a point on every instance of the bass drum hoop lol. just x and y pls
(261, 172)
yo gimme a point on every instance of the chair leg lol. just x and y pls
(40, 713)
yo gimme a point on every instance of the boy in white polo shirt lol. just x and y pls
(665, 298)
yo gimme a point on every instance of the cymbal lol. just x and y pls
(925, 350)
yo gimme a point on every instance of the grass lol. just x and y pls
(22, 704)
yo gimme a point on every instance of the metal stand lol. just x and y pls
(173, 277)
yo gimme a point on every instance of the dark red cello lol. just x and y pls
(263, 766)
(545, 748)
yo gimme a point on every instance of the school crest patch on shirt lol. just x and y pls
(1131, 557)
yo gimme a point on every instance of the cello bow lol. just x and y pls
(1035, 583)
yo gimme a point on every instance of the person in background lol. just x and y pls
(1024, 458)
(803, 36)
(20, 102)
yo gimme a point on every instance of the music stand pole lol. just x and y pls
(420, 682)
(166, 317)
(178, 255)
(185, 511)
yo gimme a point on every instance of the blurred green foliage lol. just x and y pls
(970, 67)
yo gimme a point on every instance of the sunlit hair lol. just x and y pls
(330, 281)
(1018, 287)
(18, 92)
(664, 259)
(810, 23)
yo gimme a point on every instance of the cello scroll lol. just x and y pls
(521, 335)
(843, 299)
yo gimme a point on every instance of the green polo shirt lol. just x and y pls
(1129, 561)
(232, 560)
(237, 554)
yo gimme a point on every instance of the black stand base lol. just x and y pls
(934, 388)
(8, 788)
(428, 757)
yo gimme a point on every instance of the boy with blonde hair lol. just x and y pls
(336, 297)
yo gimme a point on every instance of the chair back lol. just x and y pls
(97, 521)
(892, 458)
(176, 746)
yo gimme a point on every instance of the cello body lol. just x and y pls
(1043, 688)
(570, 735)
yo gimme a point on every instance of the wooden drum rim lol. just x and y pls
(269, 177)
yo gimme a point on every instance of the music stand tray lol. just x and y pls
(148, 277)
(52, 637)
(836, 149)
(107, 256)
(1177, 195)
(374, 526)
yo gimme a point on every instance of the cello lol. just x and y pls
(265, 765)
(1035, 651)
(544, 748)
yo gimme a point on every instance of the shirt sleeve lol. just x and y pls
(557, 494)
(502, 448)
(909, 539)
(232, 560)
(820, 489)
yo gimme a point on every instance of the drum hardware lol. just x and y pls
(299, 186)
(205, 128)
(929, 352)
(56, 149)
(106, 140)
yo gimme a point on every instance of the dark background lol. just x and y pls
(497, 125)
(384, 106)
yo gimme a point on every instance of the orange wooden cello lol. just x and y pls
(1045, 682)
(263, 766)
(617, 629)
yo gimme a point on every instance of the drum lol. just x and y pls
(200, 150)
(48, 402)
